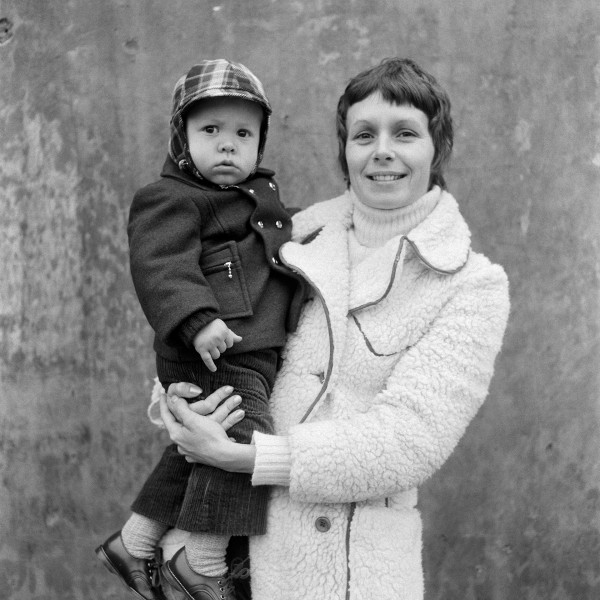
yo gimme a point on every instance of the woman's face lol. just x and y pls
(389, 152)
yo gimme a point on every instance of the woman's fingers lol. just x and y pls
(167, 416)
(225, 412)
(208, 405)
(232, 419)
(180, 413)
(220, 406)
(185, 390)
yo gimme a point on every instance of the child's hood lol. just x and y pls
(213, 79)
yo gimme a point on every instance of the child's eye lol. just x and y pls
(210, 129)
(244, 133)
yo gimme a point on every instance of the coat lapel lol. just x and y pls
(324, 264)
(441, 242)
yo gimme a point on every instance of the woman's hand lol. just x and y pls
(199, 429)
(220, 406)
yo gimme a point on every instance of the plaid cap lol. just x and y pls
(213, 79)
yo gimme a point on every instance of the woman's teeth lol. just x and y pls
(385, 177)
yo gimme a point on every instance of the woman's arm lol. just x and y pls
(417, 419)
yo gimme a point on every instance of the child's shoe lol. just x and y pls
(138, 574)
(178, 573)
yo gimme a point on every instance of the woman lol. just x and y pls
(392, 358)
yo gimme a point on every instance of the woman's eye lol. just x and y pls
(406, 133)
(363, 135)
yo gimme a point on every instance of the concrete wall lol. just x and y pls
(84, 97)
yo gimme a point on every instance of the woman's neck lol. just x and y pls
(373, 227)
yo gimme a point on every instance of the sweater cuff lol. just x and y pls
(192, 325)
(273, 460)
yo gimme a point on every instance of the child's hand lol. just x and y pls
(211, 341)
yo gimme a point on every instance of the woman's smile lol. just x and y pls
(380, 177)
(389, 152)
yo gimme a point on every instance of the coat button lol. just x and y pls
(251, 191)
(275, 260)
(323, 524)
(261, 224)
(278, 224)
(272, 185)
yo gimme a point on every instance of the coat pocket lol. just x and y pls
(222, 268)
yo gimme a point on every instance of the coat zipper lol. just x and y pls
(350, 517)
(327, 375)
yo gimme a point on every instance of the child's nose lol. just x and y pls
(227, 146)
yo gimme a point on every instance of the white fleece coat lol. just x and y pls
(389, 364)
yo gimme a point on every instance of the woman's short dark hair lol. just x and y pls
(402, 81)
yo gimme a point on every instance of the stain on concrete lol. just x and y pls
(6, 30)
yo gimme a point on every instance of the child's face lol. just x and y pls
(223, 136)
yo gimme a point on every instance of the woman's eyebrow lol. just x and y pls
(409, 121)
(361, 123)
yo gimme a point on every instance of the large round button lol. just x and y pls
(261, 224)
(278, 224)
(272, 186)
(323, 524)
(275, 260)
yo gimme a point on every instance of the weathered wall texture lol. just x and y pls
(84, 97)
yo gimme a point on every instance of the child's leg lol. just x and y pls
(141, 535)
(205, 553)
(220, 502)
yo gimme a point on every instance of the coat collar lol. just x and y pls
(441, 242)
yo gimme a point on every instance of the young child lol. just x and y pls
(203, 246)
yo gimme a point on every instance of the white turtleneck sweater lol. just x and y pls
(371, 229)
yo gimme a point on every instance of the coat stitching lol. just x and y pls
(367, 342)
(325, 382)
(391, 282)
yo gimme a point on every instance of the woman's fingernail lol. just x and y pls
(194, 389)
(228, 389)
(236, 400)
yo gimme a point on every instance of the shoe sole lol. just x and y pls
(105, 560)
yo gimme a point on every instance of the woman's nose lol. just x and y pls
(383, 150)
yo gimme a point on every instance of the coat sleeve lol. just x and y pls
(165, 248)
(415, 422)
